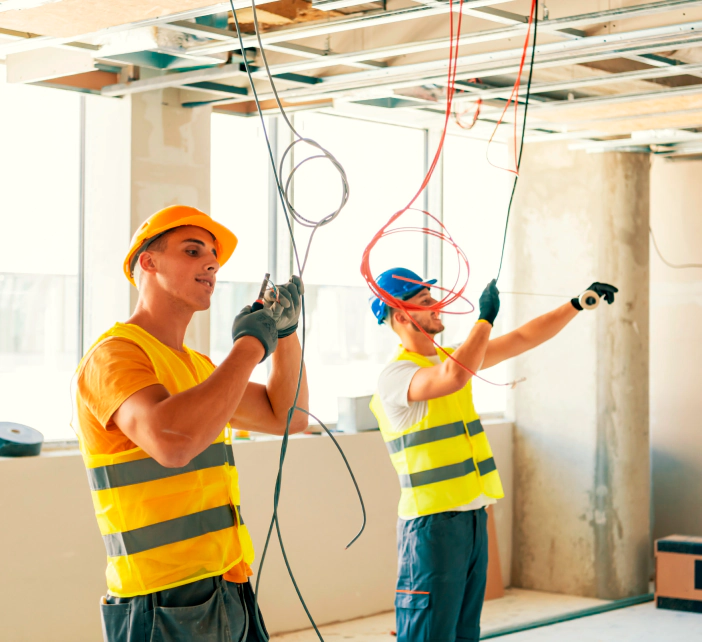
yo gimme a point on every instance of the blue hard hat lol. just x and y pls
(398, 288)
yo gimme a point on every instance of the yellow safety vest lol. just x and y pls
(444, 460)
(165, 527)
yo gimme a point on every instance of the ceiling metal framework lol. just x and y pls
(622, 79)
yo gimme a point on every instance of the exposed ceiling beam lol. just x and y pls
(174, 80)
(38, 42)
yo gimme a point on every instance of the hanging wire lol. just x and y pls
(292, 214)
(681, 266)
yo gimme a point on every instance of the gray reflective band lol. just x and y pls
(169, 532)
(461, 469)
(447, 431)
(487, 466)
(146, 470)
(230, 454)
(474, 427)
(241, 518)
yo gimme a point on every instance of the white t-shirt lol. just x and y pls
(393, 386)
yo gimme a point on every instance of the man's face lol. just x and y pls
(428, 320)
(187, 267)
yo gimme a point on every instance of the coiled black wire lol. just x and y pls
(292, 214)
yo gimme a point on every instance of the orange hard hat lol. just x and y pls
(170, 218)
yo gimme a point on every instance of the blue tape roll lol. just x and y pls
(17, 440)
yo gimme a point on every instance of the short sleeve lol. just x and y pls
(114, 372)
(394, 384)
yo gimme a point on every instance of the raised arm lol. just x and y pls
(540, 329)
(175, 428)
(265, 408)
(450, 377)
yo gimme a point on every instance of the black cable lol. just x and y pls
(521, 145)
(289, 212)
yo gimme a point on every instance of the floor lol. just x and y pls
(516, 607)
(643, 623)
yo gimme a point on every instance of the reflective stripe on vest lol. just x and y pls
(169, 532)
(146, 470)
(444, 460)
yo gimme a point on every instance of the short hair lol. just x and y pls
(389, 314)
(156, 245)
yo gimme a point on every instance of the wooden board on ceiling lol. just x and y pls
(587, 114)
(69, 18)
(659, 121)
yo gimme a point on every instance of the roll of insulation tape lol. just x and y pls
(589, 300)
(17, 440)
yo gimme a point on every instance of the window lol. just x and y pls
(476, 196)
(346, 349)
(39, 202)
(239, 199)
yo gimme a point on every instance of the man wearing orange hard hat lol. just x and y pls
(155, 424)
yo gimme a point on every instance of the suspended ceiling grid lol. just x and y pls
(609, 75)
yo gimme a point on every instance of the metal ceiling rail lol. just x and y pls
(582, 83)
(515, 30)
(175, 80)
(506, 62)
(626, 118)
(674, 137)
(604, 40)
(39, 42)
(618, 99)
(374, 19)
(410, 76)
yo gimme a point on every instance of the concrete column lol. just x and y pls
(170, 154)
(582, 491)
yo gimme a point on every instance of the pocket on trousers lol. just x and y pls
(413, 617)
(115, 621)
(412, 600)
(205, 623)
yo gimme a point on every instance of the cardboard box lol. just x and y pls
(679, 573)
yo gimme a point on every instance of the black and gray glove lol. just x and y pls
(603, 290)
(290, 298)
(490, 303)
(261, 325)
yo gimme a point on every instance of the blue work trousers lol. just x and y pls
(209, 610)
(442, 572)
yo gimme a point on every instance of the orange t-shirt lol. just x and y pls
(115, 370)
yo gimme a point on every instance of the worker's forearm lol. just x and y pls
(191, 420)
(282, 382)
(471, 353)
(547, 326)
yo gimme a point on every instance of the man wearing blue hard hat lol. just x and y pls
(448, 476)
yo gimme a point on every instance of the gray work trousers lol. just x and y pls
(209, 610)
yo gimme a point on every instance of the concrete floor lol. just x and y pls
(516, 607)
(643, 623)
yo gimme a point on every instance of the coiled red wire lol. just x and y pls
(463, 273)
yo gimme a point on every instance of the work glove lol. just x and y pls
(261, 325)
(490, 303)
(290, 298)
(603, 290)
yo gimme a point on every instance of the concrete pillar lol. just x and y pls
(582, 491)
(170, 156)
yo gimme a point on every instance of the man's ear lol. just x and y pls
(147, 262)
(401, 317)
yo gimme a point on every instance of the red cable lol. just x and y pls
(514, 97)
(476, 115)
(461, 283)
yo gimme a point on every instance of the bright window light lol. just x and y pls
(39, 202)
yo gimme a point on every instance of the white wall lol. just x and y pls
(676, 348)
(53, 560)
